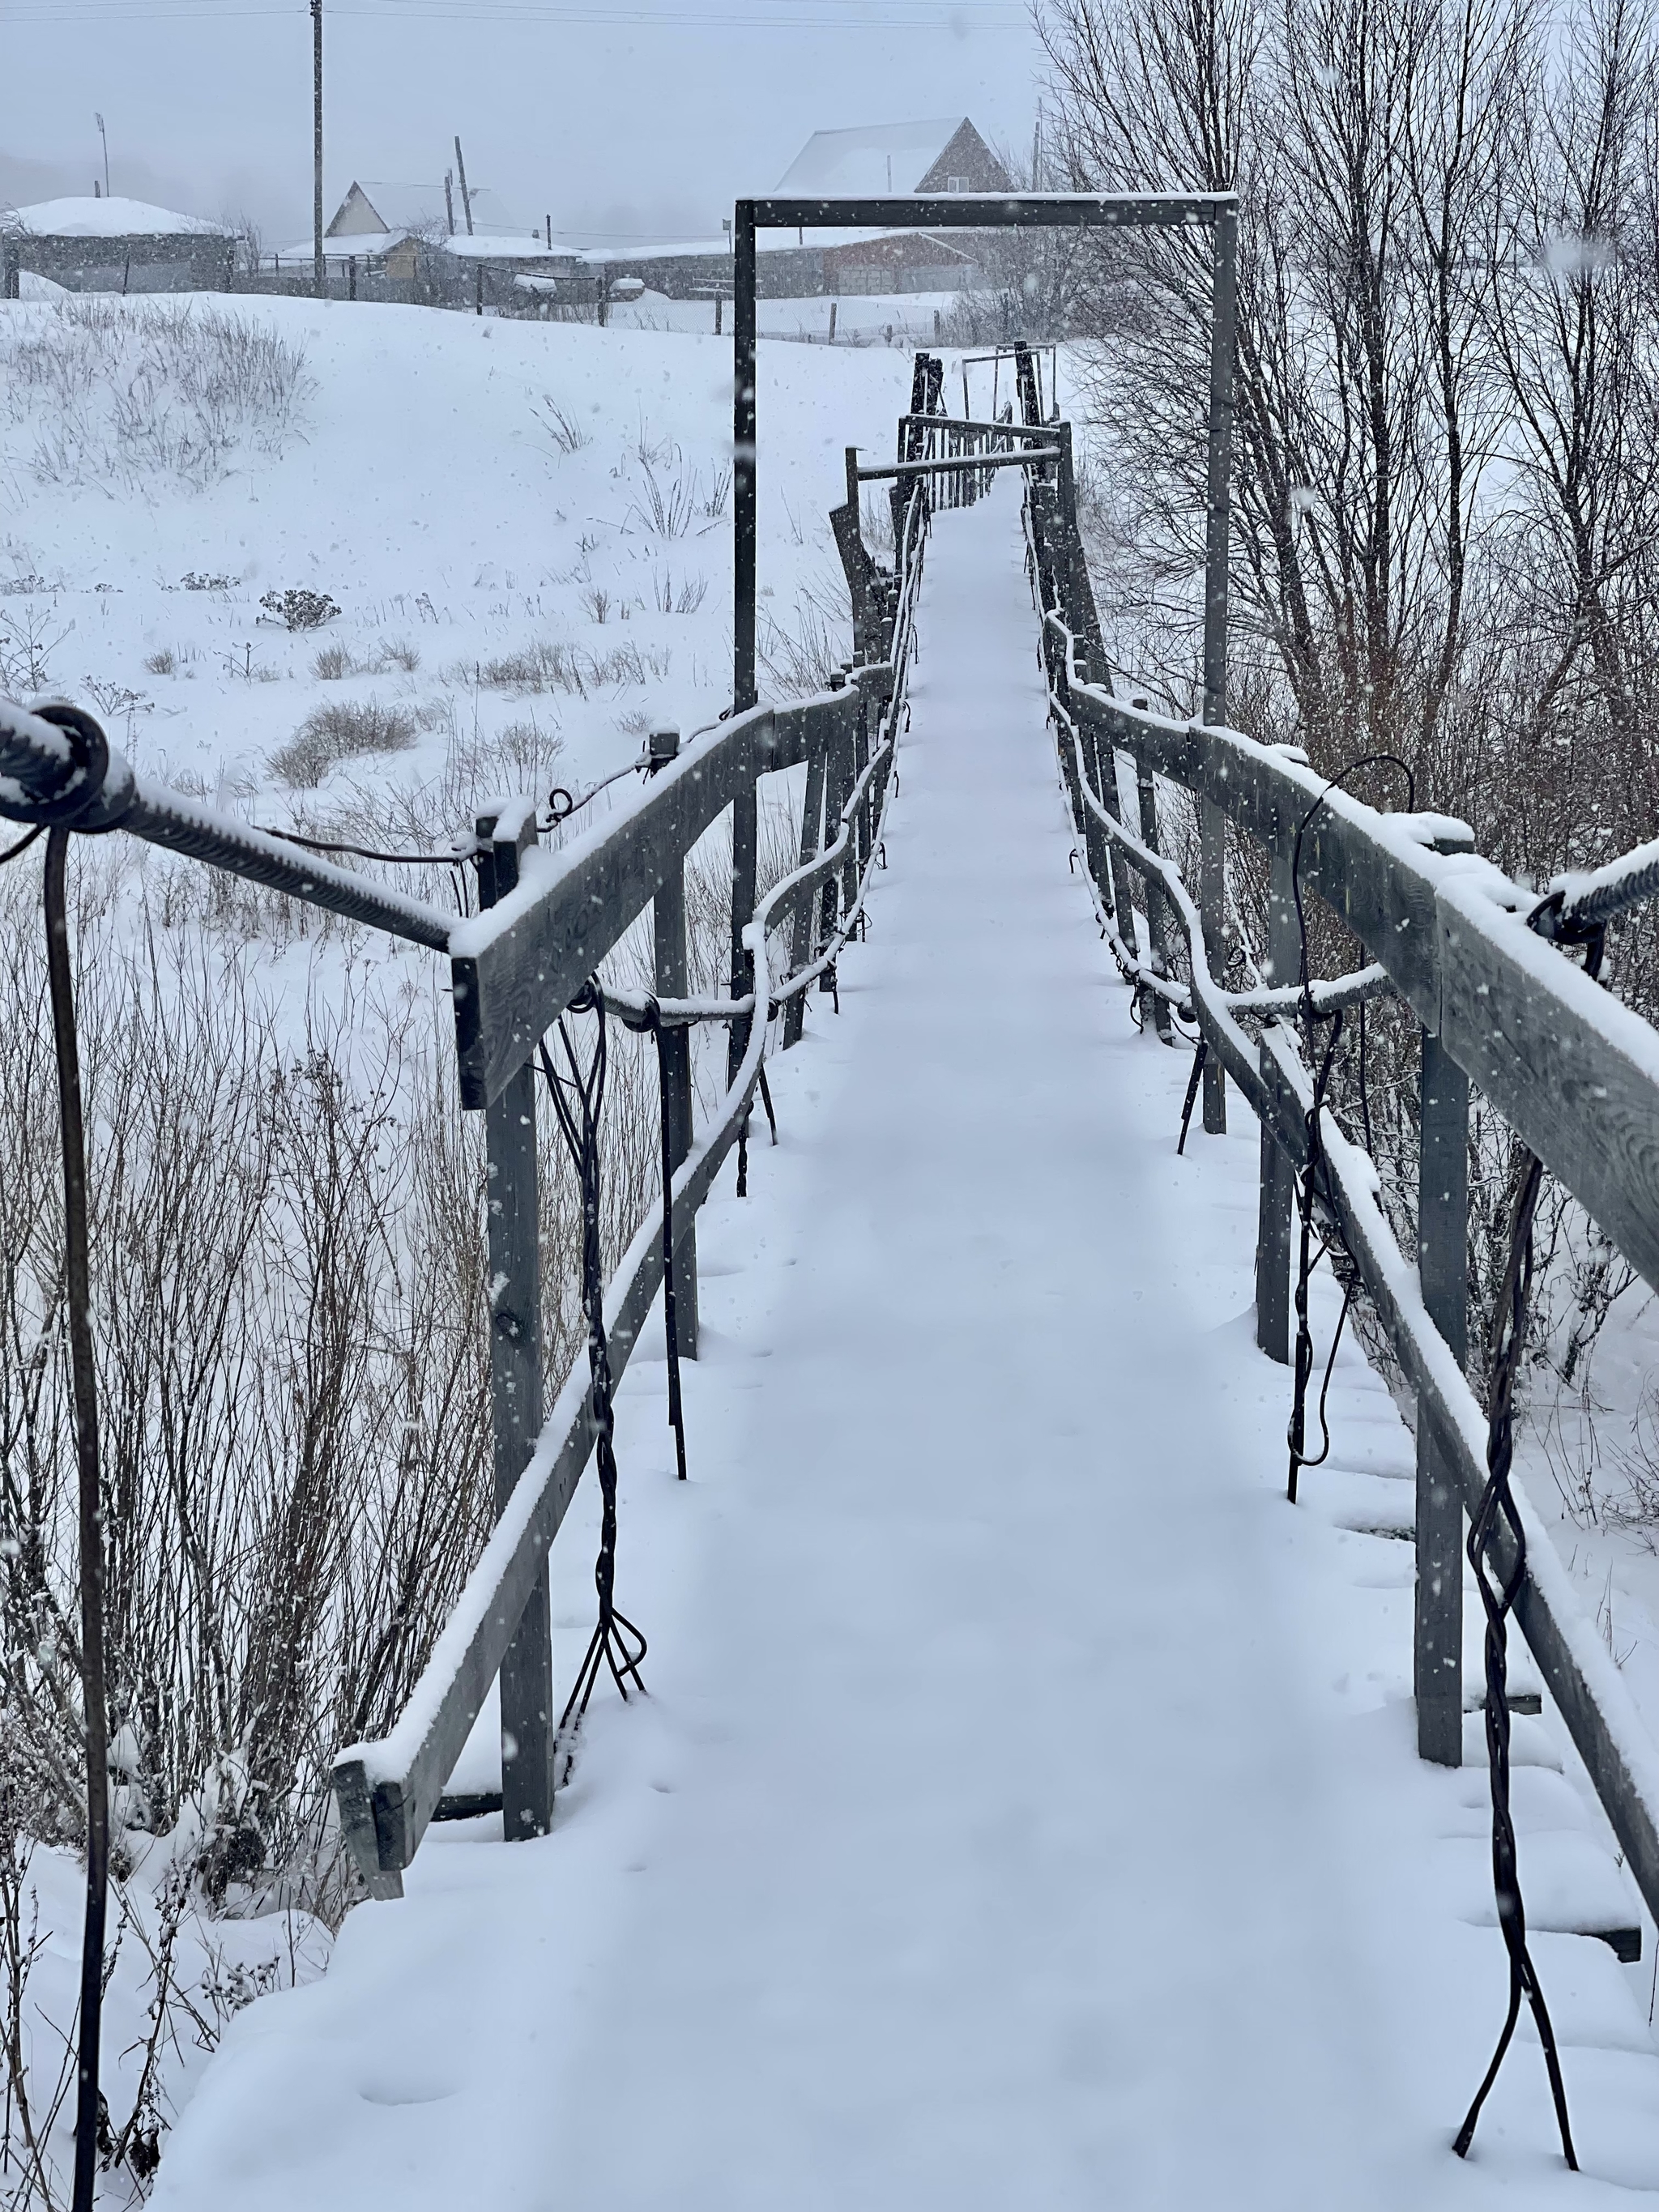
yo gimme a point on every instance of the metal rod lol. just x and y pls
(994, 210)
(954, 464)
(744, 508)
(33, 755)
(1213, 821)
(992, 429)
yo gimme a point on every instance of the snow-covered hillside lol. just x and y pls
(537, 516)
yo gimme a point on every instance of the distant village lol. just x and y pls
(446, 243)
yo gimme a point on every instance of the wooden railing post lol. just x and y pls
(1273, 1235)
(1212, 907)
(800, 948)
(513, 1228)
(1443, 1212)
(1157, 929)
(668, 927)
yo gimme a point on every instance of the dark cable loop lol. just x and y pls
(1505, 1345)
(577, 1097)
(1314, 1180)
(89, 748)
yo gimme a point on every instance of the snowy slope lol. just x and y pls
(1024, 1812)
(425, 487)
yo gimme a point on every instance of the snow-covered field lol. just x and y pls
(467, 491)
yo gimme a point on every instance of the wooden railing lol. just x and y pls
(1574, 1073)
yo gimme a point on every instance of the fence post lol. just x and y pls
(1442, 1208)
(1147, 790)
(1273, 1235)
(1213, 909)
(801, 943)
(514, 1214)
(668, 930)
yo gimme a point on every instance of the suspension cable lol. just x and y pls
(78, 1301)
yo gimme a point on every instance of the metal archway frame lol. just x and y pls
(987, 211)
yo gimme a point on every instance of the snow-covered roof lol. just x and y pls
(500, 246)
(354, 246)
(106, 218)
(881, 157)
(405, 208)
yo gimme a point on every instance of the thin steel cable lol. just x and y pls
(78, 1301)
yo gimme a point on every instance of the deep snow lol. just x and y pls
(1024, 1811)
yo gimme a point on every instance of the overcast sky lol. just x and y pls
(638, 116)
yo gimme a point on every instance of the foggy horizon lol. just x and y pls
(629, 123)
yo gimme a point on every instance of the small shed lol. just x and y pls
(114, 245)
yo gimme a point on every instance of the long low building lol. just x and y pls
(114, 245)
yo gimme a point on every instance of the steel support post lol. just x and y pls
(744, 509)
(668, 923)
(515, 1374)
(1442, 1214)
(1273, 1235)
(1213, 821)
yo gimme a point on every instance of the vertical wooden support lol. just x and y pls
(1213, 821)
(1156, 924)
(1123, 884)
(746, 839)
(1442, 1208)
(744, 495)
(515, 1372)
(1273, 1235)
(801, 944)
(1212, 907)
(668, 922)
(837, 781)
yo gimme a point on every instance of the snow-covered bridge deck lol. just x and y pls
(1025, 1812)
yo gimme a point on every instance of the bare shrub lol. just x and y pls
(340, 731)
(567, 433)
(164, 662)
(119, 392)
(332, 663)
(398, 653)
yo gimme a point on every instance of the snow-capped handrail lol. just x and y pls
(388, 1790)
(1575, 1072)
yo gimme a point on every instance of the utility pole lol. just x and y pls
(317, 277)
(461, 171)
(104, 135)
